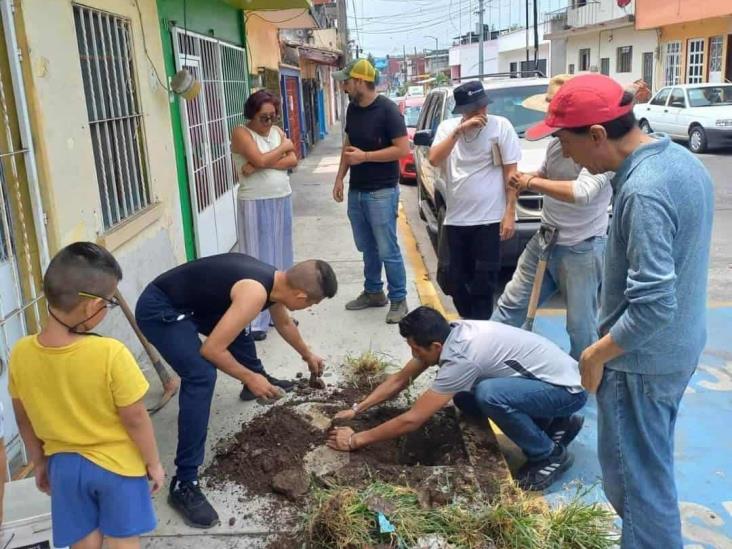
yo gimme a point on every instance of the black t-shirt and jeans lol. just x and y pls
(373, 195)
(172, 311)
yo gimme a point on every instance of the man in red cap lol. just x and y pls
(653, 298)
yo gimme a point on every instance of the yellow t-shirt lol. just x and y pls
(71, 395)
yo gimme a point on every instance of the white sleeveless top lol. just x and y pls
(267, 183)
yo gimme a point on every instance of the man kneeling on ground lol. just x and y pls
(523, 382)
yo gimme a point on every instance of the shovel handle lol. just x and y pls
(535, 292)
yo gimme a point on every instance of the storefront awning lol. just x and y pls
(322, 56)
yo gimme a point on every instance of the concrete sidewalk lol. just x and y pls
(321, 231)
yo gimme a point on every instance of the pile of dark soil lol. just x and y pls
(266, 446)
(279, 439)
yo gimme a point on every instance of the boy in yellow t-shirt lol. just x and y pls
(78, 401)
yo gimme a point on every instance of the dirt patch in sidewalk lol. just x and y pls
(279, 440)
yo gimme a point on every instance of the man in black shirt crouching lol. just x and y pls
(219, 296)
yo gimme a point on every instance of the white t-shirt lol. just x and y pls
(480, 349)
(476, 193)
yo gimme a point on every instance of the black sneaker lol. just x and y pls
(563, 430)
(189, 501)
(284, 384)
(540, 474)
(258, 335)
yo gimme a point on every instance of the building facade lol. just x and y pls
(695, 39)
(600, 36)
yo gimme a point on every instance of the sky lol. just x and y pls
(382, 27)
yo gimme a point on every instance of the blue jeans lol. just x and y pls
(635, 444)
(373, 216)
(575, 271)
(522, 408)
(175, 334)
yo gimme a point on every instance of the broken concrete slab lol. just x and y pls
(313, 413)
(291, 483)
(324, 461)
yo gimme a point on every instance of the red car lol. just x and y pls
(410, 108)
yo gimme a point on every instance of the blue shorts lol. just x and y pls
(85, 497)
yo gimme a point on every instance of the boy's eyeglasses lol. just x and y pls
(268, 119)
(108, 303)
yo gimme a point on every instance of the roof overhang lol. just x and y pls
(270, 5)
(321, 56)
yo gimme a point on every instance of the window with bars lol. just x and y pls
(624, 62)
(584, 59)
(605, 66)
(716, 44)
(672, 63)
(695, 61)
(115, 117)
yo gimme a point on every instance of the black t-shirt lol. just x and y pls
(203, 286)
(374, 128)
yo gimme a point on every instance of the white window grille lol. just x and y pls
(672, 64)
(115, 117)
(695, 61)
(716, 45)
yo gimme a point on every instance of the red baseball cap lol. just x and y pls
(585, 100)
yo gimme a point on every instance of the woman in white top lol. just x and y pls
(262, 155)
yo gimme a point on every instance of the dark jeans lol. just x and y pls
(522, 408)
(175, 334)
(472, 268)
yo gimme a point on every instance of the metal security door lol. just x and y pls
(208, 121)
(23, 244)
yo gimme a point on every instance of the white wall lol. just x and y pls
(466, 55)
(598, 11)
(517, 56)
(605, 44)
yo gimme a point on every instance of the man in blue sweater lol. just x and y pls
(653, 298)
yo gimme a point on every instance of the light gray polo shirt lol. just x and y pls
(479, 349)
(588, 215)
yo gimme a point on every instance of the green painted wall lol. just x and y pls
(203, 16)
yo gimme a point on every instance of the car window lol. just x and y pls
(422, 123)
(436, 114)
(677, 98)
(709, 96)
(661, 97)
(411, 115)
(507, 102)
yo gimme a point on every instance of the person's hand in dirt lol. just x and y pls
(262, 388)
(345, 415)
(341, 439)
(316, 364)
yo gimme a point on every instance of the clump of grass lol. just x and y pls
(344, 517)
(367, 369)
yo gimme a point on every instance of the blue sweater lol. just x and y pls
(654, 290)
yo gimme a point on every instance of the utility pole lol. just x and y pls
(404, 49)
(480, 37)
(536, 38)
(343, 45)
(527, 35)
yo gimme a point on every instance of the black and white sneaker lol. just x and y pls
(540, 474)
(563, 430)
(189, 501)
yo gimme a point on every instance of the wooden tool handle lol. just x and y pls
(535, 292)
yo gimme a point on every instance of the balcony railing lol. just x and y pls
(555, 21)
(582, 14)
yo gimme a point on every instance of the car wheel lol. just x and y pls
(645, 126)
(697, 140)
